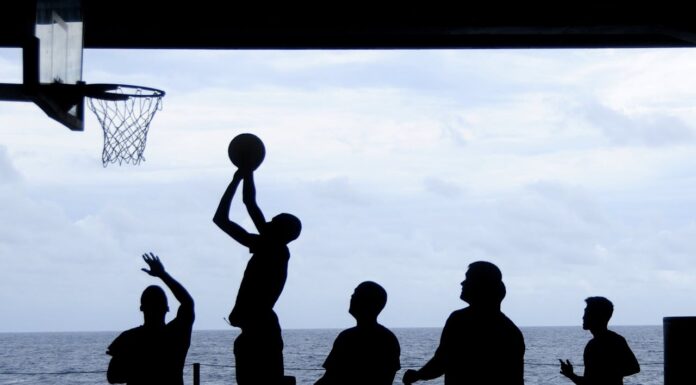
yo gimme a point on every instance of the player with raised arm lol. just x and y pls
(258, 349)
(155, 352)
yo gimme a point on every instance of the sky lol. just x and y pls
(572, 170)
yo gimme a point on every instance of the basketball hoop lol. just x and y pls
(125, 113)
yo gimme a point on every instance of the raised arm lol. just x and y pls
(222, 214)
(249, 197)
(181, 295)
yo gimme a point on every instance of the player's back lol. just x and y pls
(482, 347)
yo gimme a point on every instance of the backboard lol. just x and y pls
(53, 59)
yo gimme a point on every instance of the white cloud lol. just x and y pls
(443, 188)
(651, 129)
(8, 173)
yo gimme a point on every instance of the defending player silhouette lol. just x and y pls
(258, 350)
(154, 353)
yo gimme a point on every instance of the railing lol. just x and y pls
(197, 369)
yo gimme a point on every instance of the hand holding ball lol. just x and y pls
(246, 151)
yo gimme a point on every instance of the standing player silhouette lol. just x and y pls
(258, 350)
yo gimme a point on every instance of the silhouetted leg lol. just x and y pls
(258, 355)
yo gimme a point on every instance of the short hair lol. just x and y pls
(601, 307)
(485, 281)
(153, 298)
(374, 297)
(289, 224)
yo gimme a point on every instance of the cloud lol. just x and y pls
(442, 188)
(8, 173)
(653, 130)
(340, 190)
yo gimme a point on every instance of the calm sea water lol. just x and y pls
(79, 358)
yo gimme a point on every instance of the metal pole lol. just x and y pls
(196, 373)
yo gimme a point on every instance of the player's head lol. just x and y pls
(597, 313)
(153, 302)
(367, 301)
(286, 227)
(483, 284)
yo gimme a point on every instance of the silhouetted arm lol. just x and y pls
(119, 365)
(435, 367)
(333, 363)
(116, 374)
(567, 370)
(185, 300)
(326, 379)
(222, 214)
(249, 197)
(629, 363)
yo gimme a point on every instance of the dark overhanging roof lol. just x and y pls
(207, 24)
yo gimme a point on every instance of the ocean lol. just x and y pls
(79, 357)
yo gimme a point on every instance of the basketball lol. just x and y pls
(246, 151)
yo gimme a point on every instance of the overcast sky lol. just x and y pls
(573, 170)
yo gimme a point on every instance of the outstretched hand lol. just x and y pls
(156, 267)
(566, 368)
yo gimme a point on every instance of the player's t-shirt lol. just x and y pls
(262, 284)
(154, 355)
(364, 355)
(608, 359)
(481, 347)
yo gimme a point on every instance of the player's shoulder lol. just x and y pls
(390, 337)
(460, 315)
(131, 333)
(615, 337)
(384, 333)
(126, 338)
(349, 333)
(378, 331)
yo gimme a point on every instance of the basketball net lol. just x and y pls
(125, 118)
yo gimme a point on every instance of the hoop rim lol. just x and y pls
(103, 91)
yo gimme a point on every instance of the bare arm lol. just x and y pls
(433, 368)
(222, 214)
(249, 197)
(630, 363)
(180, 293)
(326, 379)
(567, 370)
(116, 374)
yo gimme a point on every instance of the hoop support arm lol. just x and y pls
(12, 92)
